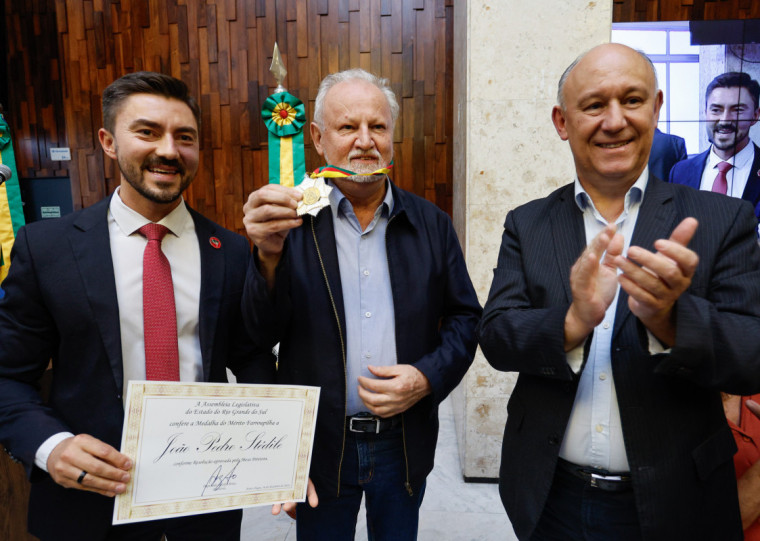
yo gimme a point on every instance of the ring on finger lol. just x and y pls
(81, 477)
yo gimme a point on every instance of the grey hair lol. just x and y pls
(566, 74)
(355, 74)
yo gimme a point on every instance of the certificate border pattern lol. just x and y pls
(126, 511)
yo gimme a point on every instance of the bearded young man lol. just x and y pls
(732, 163)
(75, 294)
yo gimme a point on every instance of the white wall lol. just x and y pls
(508, 57)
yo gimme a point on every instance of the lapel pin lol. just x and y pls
(215, 242)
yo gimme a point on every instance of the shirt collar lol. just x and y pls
(129, 220)
(634, 195)
(336, 198)
(739, 160)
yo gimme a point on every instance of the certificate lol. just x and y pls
(207, 447)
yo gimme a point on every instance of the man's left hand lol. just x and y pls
(290, 507)
(655, 281)
(401, 386)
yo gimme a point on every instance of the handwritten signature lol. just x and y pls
(220, 480)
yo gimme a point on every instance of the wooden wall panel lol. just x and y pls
(14, 494)
(222, 49)
(629, 11)
(62, 53)
(35, 103)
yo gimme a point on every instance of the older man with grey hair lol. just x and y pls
(370, 300)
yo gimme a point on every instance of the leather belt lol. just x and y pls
(596, 478)
(370, 424)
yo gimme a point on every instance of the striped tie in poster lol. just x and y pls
(11, 210)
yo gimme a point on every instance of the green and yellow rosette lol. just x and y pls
(285, 116)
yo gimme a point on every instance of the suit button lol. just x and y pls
(553, 440)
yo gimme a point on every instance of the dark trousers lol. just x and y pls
(224, 526)
(578, 511)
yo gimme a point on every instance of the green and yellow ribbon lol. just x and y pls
(11, 209)
(331, 171)
(284, 116)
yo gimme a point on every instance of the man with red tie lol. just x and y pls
(732, 163)
(138, 286)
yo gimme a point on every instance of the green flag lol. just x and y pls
(11, 209)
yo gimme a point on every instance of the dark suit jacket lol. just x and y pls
(61, 304)
(689, 172)
(667, 150)
(678, 444)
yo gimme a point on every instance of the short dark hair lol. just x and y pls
(732, 79)
(145, 82)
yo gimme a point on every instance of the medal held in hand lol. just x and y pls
(315, 196)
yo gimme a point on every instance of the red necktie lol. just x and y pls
(721, 182)
(159, 312)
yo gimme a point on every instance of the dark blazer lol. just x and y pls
(676, 437)
(61, 304)
(689, 172)
(667, 150)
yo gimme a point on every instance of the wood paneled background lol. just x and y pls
(68, 51)
(62, 53)
(629, 11)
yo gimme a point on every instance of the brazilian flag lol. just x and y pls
(11, 210)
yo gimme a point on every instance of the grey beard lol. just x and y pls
(365, 179)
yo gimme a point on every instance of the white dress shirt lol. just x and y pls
(736, 177)
(181, 248)
(594, 434)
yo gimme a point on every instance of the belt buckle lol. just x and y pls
(612, 478)
(364, 419)
(608, 482)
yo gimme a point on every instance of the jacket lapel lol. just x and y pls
(752, 190)
(694, 178)
(656, 220)
(321, 228)
(91, 245)
(569, 235)
(212, 284)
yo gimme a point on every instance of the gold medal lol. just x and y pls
(311, 196)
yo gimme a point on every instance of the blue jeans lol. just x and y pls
(373, 465)
(576, 511)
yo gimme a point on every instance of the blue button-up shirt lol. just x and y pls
(367, 297)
